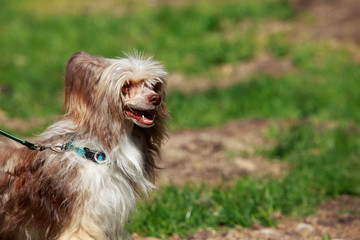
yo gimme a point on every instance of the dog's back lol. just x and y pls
(29, 194)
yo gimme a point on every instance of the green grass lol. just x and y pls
(35, 48)
(326, 91)
(321, 92)
(323, 160)
(324, 163)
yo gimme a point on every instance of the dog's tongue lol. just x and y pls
(142, 117)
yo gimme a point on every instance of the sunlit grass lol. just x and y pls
(38, 37)
(324, 87)
(329, 171)
(35, 47)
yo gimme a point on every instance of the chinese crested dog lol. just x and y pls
(96, 158)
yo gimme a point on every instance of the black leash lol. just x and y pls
(29, 145)
(98, 157)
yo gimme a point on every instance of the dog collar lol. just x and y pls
(95, 156)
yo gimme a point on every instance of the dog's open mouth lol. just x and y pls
(142, 118)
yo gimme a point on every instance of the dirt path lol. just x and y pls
(217, 154)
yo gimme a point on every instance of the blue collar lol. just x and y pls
(95, 156)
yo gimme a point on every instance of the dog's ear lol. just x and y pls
(83, 73)
(154, 136)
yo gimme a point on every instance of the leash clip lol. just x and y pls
(60, 148)
(36, 147)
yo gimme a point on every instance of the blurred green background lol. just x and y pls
(38, 37)
(281, 60)
(198, 40)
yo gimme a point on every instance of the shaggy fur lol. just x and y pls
(112, 105)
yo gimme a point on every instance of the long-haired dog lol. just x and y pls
(110, 135)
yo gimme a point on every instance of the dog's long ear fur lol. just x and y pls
(83, 74)
(155, 136)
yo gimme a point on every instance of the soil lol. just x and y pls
(21, 125)
(217, 154)
(232, 73)
(338, 19)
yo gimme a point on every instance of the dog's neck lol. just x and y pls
(112, 133)
(127, 128)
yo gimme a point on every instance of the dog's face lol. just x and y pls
(141, 99)
(99, 90)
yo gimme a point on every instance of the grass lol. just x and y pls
(323, 158)
(35, 47)
(322, 147)
(326, 91)
(329, 171)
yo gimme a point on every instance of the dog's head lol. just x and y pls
(142, 90)
(105, 93)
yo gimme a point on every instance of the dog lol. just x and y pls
(96, 159)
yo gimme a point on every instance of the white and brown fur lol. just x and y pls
(64, 196)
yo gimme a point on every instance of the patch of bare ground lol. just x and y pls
(337, 20)
(336, 219)
(217, 154)
(232, 73)
(22, 125)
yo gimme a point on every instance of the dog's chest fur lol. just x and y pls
(101, 195)
(112, 185)
(106, 191)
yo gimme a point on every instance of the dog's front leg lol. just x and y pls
(82, 228)
(82, 234)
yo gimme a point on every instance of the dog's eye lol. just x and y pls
(127, 85)
(125, 89)
(157, 87)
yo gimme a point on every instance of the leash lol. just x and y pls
(29, 145)
(95, 156)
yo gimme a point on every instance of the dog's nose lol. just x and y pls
(155, 99)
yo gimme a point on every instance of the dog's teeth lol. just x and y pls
(143, 117)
